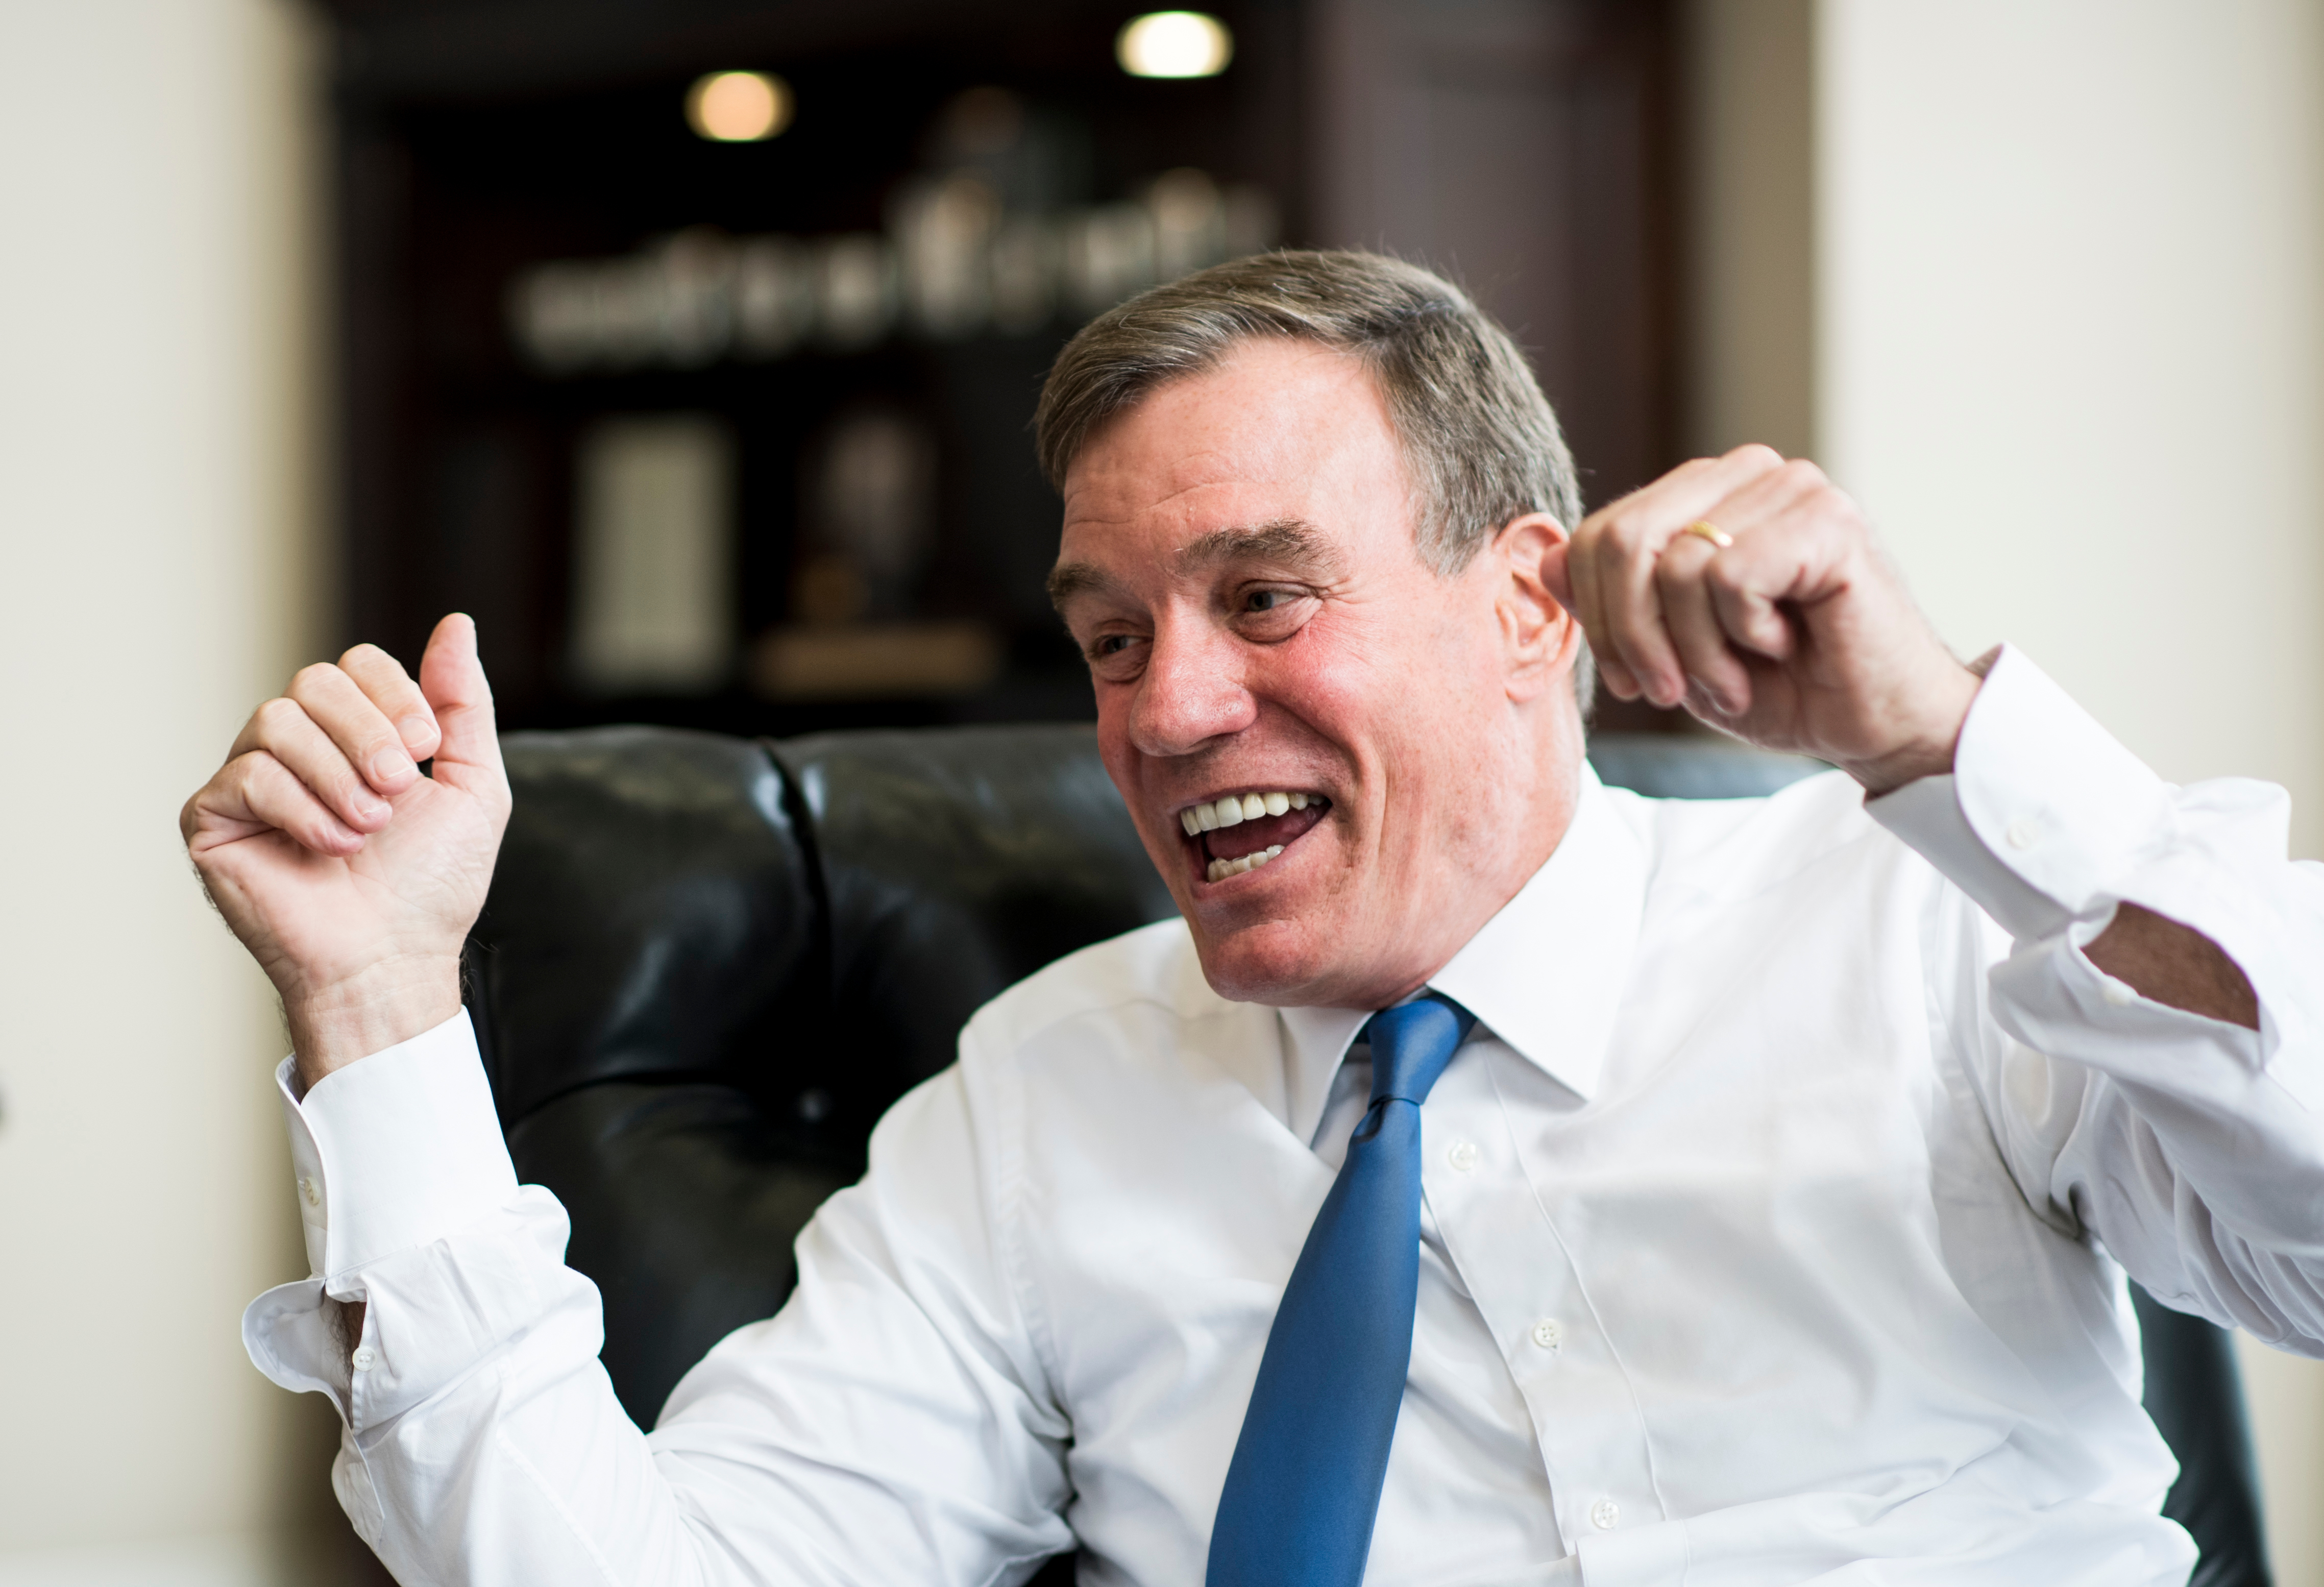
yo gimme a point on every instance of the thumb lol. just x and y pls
(453, 679)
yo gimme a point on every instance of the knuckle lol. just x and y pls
(277, 715)
(312, 679)
(340, 783)
(362, 655)
(1640, 644)
(1626, 531)
(1801, 475)
(379, 747)
(1759, 454)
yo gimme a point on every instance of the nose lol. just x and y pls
(1192, 690)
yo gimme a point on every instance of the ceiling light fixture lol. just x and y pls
(738, 107)
(1175, 44)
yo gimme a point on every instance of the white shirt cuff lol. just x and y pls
(395, 1149)
(2044, 814)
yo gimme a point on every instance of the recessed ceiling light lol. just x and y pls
(738, 107)
(1175, 44)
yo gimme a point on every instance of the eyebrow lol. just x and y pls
(1285, 540)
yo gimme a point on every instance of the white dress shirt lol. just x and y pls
(1772, 1217)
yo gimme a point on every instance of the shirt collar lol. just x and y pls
(1545, 975)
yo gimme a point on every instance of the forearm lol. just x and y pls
(2148, 1038)
(2046, 822)
(2183, 1142)
(2175, 965)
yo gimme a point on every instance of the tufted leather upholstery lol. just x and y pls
(708, 964)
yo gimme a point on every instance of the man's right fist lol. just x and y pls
(352, 877)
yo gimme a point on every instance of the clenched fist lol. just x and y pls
(1780, 619)
(350, 875)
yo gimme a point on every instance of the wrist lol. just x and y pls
(391, 1002)
(1927, 748)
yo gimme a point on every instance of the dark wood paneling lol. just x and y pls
(1520, 145)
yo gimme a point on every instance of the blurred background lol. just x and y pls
(691, 346)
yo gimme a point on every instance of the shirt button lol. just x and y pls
(1604, 1515)
(2024, 832)
(1463, 1156)
(1548, 1334)
(310, 1190)
(364, 1361)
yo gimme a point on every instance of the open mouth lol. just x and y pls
(1237, 833)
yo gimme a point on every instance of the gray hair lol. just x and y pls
(1479, 439)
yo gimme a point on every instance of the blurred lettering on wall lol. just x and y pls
(954, 262)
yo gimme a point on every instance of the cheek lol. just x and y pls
(1116, 703)
(1121, 761)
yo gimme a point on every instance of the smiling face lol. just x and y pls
(1343, 762)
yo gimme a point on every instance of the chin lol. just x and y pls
(1277, 962)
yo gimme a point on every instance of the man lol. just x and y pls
(1492, 1178)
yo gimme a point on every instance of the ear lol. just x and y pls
(1539, 637)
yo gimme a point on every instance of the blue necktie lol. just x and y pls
(1304, 1484)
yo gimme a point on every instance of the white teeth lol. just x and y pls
(1220, 870)
(1234, 809)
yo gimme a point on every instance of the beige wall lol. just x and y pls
(2067, 344)
(2071, 261)
(1749, 99)
(155, 474)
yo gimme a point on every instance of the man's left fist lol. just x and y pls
(1781, 620)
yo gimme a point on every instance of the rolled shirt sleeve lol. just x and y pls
(2192, 1147)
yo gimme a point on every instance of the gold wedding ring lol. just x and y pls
(1709, 532)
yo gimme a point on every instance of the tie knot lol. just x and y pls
(1412, 1043)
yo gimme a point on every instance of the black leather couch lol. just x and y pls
(708, 964)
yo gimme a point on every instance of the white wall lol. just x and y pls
(2070, 353)
(2072, 258)
(156, 426)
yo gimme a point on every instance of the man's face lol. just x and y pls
(1239, 570)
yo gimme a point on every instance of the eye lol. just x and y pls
(1266, 612)
(1117, 657)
